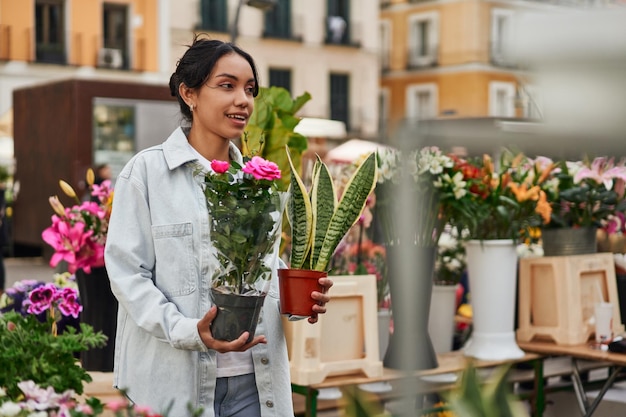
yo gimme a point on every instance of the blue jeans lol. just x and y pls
(237, 396)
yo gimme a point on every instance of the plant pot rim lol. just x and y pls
(492, 242)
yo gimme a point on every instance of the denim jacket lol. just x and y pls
(157, 258)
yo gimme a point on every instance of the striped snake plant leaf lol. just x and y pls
(349, 210)
(324, 202)
(300, 217)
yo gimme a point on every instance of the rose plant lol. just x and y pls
(78, 233)
(245, 222)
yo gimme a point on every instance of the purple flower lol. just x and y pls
(41, 298)
(68, 302)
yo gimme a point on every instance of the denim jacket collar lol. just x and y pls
(177, 151)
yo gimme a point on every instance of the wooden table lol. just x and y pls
(452, 362)
(617, 361)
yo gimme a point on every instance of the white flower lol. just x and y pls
(9, 409)
(39, 414)
(3, 392)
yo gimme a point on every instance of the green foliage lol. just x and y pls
(243, 229)
(318, 221)
(271, 128)
(29, 351)
(492, 398)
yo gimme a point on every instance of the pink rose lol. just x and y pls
(219, 167)
(262, 169)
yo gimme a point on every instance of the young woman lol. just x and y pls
(157, 259)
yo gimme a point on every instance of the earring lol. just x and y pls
(191, 107)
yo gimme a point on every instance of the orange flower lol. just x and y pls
(523, 193)
(544, 209)
(545, 173)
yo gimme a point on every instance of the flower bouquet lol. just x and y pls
(245, 210)
(583, 195)
(501, 204)
(78, 233)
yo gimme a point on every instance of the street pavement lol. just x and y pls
(18, 269)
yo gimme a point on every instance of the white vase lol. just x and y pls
(384, 320)
(491, 268)
(441, 317)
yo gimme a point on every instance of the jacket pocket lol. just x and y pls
(173, 245)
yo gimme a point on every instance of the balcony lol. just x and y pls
(498, 56)
(423, 61)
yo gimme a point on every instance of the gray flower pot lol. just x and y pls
(235, 314)
(569, 241)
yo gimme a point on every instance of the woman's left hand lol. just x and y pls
(322, 298)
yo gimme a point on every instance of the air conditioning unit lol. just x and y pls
(110, 58)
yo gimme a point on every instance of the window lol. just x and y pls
(422, 101)
(423, 39)
(214, 15)
(49, 31)
(501, 99)
(500, 27)
(339, 98)
(115, 30)
(278, 20)
(531, 101)
(338, 22)
(280, 78)
(385, 44)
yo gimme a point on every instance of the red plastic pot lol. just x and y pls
(296, 286)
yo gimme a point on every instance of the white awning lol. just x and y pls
(321, 128)
(352, 150)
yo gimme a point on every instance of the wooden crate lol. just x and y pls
(557, 295)
(344, 341)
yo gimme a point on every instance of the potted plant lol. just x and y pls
(40, 338)
(319, 221)
(78, 235)
(499, 207)
(449, 269)
(245, 209)
(582, 195)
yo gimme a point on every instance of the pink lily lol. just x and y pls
(602, 171)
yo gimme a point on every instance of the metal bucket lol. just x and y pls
(569, 241)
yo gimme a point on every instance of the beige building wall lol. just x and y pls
(310, 60)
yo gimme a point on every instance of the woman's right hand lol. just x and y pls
(222, 346)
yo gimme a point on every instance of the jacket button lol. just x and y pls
(265, 361)
(269, 403)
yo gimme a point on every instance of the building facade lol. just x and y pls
(48, 40)
(328, 48)
(451, 59)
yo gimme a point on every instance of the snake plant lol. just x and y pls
(318, 219)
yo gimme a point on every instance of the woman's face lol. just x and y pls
(225, 102)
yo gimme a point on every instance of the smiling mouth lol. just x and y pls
(236, 117)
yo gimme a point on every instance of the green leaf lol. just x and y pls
(324, 203)
(352, 203)
(300, 216)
